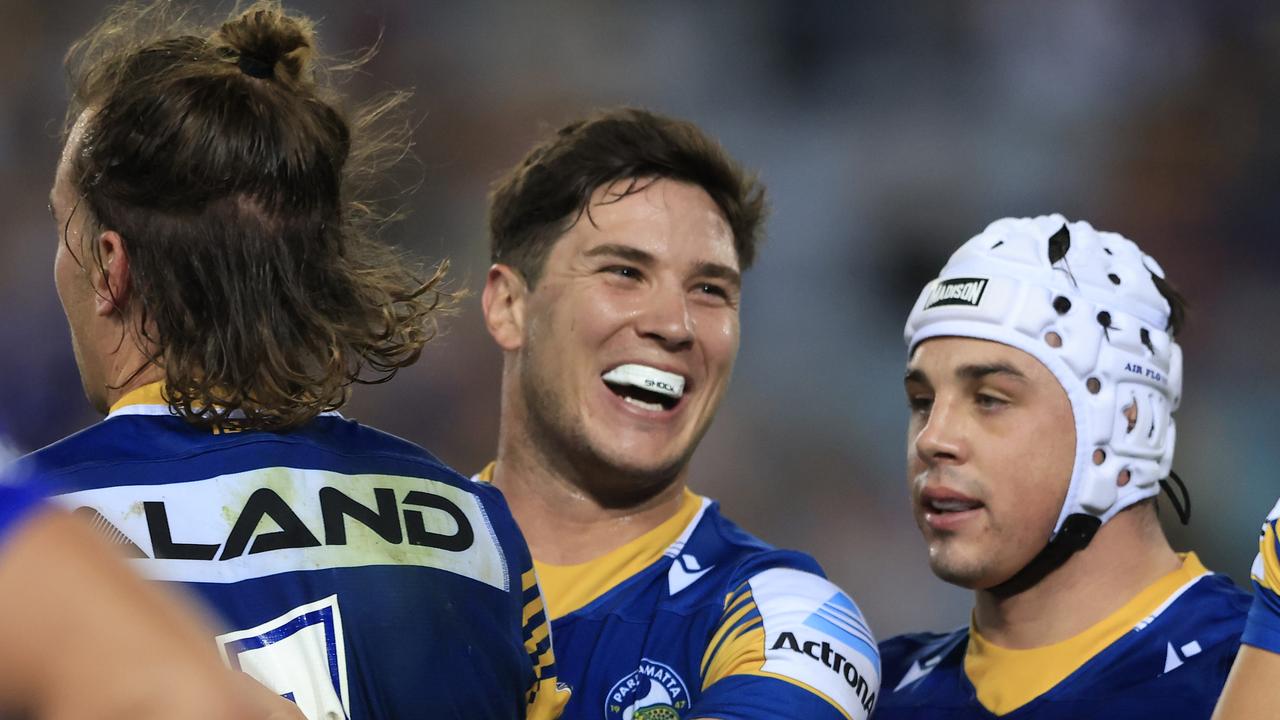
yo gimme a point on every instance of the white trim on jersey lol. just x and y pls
(1170, 600)
(674, 548)
(153, 409)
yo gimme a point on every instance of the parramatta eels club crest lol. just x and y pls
(653, 692)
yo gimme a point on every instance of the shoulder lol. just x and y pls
(1213, 605)
(715, 539)
(911, 656)
(785, 621)
(147, 449)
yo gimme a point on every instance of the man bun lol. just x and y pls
(268, 44)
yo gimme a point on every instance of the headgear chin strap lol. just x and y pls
(1085, 304)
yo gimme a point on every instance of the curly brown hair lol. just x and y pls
(223, 157)
(549, 190)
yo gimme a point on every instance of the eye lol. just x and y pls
(712, 289)
(625, 271)
(920, 403)
(990, 402)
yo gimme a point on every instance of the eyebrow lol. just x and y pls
(718, 271)
(980, 371)
(969, 372)
(714, 270)
(625, 252)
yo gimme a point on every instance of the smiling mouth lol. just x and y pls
(645, 387)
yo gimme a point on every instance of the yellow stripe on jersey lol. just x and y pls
(802, 686)
(545, 700)
(1006, 679)
(1270, 562)
(737, 645)
(149, 394)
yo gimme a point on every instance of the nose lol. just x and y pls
(665, 317)
(941, 440)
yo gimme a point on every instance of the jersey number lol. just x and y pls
(299, 655)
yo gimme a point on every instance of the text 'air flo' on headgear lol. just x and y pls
(1030, 282)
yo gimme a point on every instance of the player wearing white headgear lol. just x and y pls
(1042, 379)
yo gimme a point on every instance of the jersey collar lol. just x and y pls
(145, 400)
(1005, 679)
(149, 399)
(567, 588)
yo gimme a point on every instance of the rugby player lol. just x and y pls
(81, 637)
(1042, 377)
(1253, 687)
(219, 269)
(618, 246)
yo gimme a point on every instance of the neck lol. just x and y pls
(562, 521)
(1127, 554)
(122, 374)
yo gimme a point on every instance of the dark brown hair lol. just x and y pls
(550, 189)
(240, 187)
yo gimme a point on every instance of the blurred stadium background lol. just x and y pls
(888, 133)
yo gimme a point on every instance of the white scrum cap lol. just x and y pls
(1023, 280)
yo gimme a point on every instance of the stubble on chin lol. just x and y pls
(953, 565)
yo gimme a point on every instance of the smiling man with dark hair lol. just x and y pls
(618, 249)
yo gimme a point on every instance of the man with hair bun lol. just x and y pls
(218, 265)
(1042, 377)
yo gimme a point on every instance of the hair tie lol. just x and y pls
(256, 67)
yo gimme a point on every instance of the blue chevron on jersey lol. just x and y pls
(699, 619)
(1168, 656)
(353, 572)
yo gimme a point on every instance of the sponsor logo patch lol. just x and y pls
(833, 660)
(956, 291)
(653, 692)
(262, 522)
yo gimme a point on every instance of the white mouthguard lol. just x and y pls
(647, 378)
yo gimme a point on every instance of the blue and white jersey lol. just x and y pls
(698, 619)
(353, 572)
(1165, 654)
(1263, 628)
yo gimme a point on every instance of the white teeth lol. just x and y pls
(647, 378)
(952, 505)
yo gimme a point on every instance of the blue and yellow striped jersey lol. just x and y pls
(697, 619)
(354, 573)
(1165, 654)
(1263, 627)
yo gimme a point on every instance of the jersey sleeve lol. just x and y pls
(545, 701)
(16, 503)
(1262, 629)
(789, 644)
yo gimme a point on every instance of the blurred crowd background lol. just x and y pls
(887, 133)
